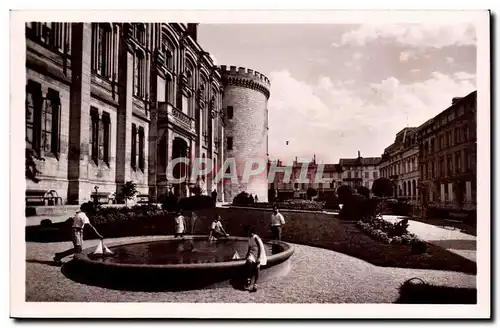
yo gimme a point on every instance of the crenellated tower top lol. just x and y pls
(245, 77)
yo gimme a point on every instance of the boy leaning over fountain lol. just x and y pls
(216, 229)
(256, 256)
(80, 220)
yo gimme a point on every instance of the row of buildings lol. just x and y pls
(108, 103)
(432, 164)
(354, 172)
(435, 164)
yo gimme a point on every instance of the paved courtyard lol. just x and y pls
(317, 276)
(452, 240)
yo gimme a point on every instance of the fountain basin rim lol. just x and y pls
(271, 259)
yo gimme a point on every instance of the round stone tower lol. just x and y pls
(244, 105)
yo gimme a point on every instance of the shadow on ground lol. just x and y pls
(147, 281)
(51, 263)
(458, 244)
(415, 291)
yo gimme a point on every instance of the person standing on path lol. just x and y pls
(180, 224)
(80, 220)
(277, 222)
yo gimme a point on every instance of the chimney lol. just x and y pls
(359, 154)
(314, 159)
(192, 29)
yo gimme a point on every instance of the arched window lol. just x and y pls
(168, 51)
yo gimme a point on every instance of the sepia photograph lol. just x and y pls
(329, 160)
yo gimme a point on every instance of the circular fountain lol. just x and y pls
(168, 263)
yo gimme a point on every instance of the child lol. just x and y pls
(180, 224)
(80, 220)
(256, 256)
(216, 229)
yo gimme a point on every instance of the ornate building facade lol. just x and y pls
(360, 171)
(108, 103)
(447, 156)
(400, 164)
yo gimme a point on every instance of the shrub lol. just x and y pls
(311, 192)
(354, 207)
(242, 199)
(129, 190)
(196, 203)
(171, 203)
(344, 193)
(383, 187)
(364, 191)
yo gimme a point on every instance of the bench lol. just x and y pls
(45, 197)
(102, 197)
(142, 199)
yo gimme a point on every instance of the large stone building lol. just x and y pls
(108, 103)
(400, 164)
(447, 156)
(360, 171)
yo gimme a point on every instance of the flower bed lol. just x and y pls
(384, 231)
(292, 204)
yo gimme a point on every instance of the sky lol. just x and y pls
(337, 89)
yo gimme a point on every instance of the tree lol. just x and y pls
(344, 193)
(311, 192)
(362, 190)
(383, 187)
(129, 190)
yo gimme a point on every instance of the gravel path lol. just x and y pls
(317, 276)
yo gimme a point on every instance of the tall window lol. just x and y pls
(230, 113)
(42, 120)
(139, 75)
(375, 175)
(106, 137)
(102, 49)
(140, 33)
(367, 175)
(51, 34)
(94, 134)
(99, 136)
(133, 156)
(229, 143)
(466, 132)
(441, 167)
(468, 161)
(141, 149)
(458, 162)
(52, 120)
(33, 115)
(169, 91)
(450, 165)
